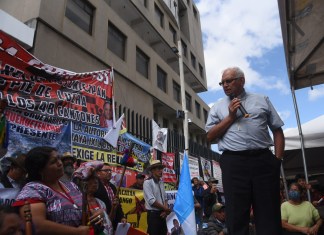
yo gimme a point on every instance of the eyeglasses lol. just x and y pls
(106, 170)
(228, 81)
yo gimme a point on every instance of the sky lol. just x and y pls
(247, 34)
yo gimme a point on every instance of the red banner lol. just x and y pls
(169, 175)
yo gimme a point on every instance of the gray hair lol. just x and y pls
(239, 72)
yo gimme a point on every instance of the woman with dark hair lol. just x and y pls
(55, 205)
(298, 216)
(95, 204)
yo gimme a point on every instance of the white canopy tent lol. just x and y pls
(313, 134)
(302, 24)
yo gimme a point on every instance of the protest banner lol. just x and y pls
(169, 175)
(193, 165)
(8, 196)
(217, 174)
(206, 168)
(50, 106)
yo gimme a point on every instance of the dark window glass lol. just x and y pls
(184, 49)
(142, 62)
(159, 15)
(161, 79)
(197, 105)
(195, 12)
(193, 60)
(81, 13)
(173, 33)
(176, 92)
(201, 71)
(116, 41)
(205, 114)
(188, 102)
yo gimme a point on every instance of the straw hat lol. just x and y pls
(155, 164)
(67, 155)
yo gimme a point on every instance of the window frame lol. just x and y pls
(85, 7)
(161, 81)
(142, 57)
(118, 36)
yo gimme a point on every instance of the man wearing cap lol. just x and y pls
(216, 222)
(139, 182)
(198, 193)
(68, 160)
(211, 196)
(16, 175)
(156, 200)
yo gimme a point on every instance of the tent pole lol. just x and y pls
(284, 181)
(301, 138)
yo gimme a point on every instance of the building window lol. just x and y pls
(161, 79)
(197, 105)
(176, 92)
(205, 114)
(173, 33)
(195, 12)
(116, 41)
(201, 71)
(144, 2)
(184, 49)
(193, 61)
(142, 62)
(188, 102)
(159, 15)
(81, 13)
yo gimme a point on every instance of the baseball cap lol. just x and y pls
(140, 176)
(217, 207)
(213, 180)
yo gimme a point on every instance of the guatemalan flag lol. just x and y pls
(184, 202)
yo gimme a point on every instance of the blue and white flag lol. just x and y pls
(184, 202)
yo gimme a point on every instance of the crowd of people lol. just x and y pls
(65, 200)
(55, 195)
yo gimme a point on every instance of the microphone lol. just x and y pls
(241, 108)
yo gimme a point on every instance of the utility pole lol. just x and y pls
(183, 97)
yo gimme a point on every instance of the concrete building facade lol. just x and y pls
(138, 38)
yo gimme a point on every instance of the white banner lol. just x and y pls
(193, 165)
(206, 168)
(217, 174)
(160, 137)
(8, 196)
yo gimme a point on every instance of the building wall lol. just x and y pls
(61, 43)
